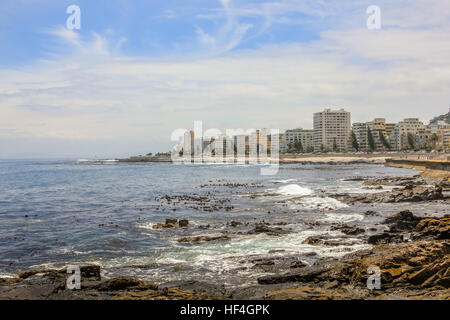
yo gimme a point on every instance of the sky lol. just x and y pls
(138, 70)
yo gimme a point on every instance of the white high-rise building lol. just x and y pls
(281, 142)
(263, 143)
(219, 149)
(188, 144)
(253, 146)
(241, 142)
(229, 149)
(198, 149)
(332, 130)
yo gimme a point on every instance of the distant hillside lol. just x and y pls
(444, 117)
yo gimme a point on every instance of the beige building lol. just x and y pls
(437, 138)
(188, 144)
(332, 130)
(259, 144)
(379, 129)
(409, 126)
(294, 136)
(446, 137)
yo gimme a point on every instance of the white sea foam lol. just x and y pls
(294, 190)
(104, 160)
(322, 203)
(284, 181)
(342, 217)
(147, 225)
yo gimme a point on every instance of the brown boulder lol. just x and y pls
(183, 223)
(122, 283)
(434, 228)
(262, 228)
(404, 220)
(170, 223)
(91, 272)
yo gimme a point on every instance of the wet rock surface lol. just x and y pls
(412, 252)
(405, 226)
(413, 270)
(413, 189)
(51, 285)
(203, 239)
(271, 231)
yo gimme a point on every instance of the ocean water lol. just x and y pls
(55, 213)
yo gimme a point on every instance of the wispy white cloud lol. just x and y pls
(224, 38)
(69, 42)
(93, 93)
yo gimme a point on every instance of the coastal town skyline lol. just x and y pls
(333, 131)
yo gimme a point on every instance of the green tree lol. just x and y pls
(298, 145)
(371, 140)
(291, 148)
(335, 146)
(434, 139)
(355, 143)
(383, 140)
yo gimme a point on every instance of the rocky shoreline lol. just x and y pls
(330, 159)
(413, 257)
(411, 251)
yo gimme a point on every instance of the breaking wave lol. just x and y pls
(294, 190)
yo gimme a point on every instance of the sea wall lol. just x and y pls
(442, 165)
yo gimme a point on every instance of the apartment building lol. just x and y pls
(281, 142)
(188, 144)
(360, 130)
(219, 148)
(332, 130)
(446, 137)
(381, 130)
(259, 143)
(241, 142)
(263, 143)
(409, 126)
(198, 148)
(294, 136)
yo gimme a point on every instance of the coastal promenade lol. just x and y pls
(294, 158)
(431, 162)
(328, 158)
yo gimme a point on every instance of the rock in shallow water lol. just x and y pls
(203, 239)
